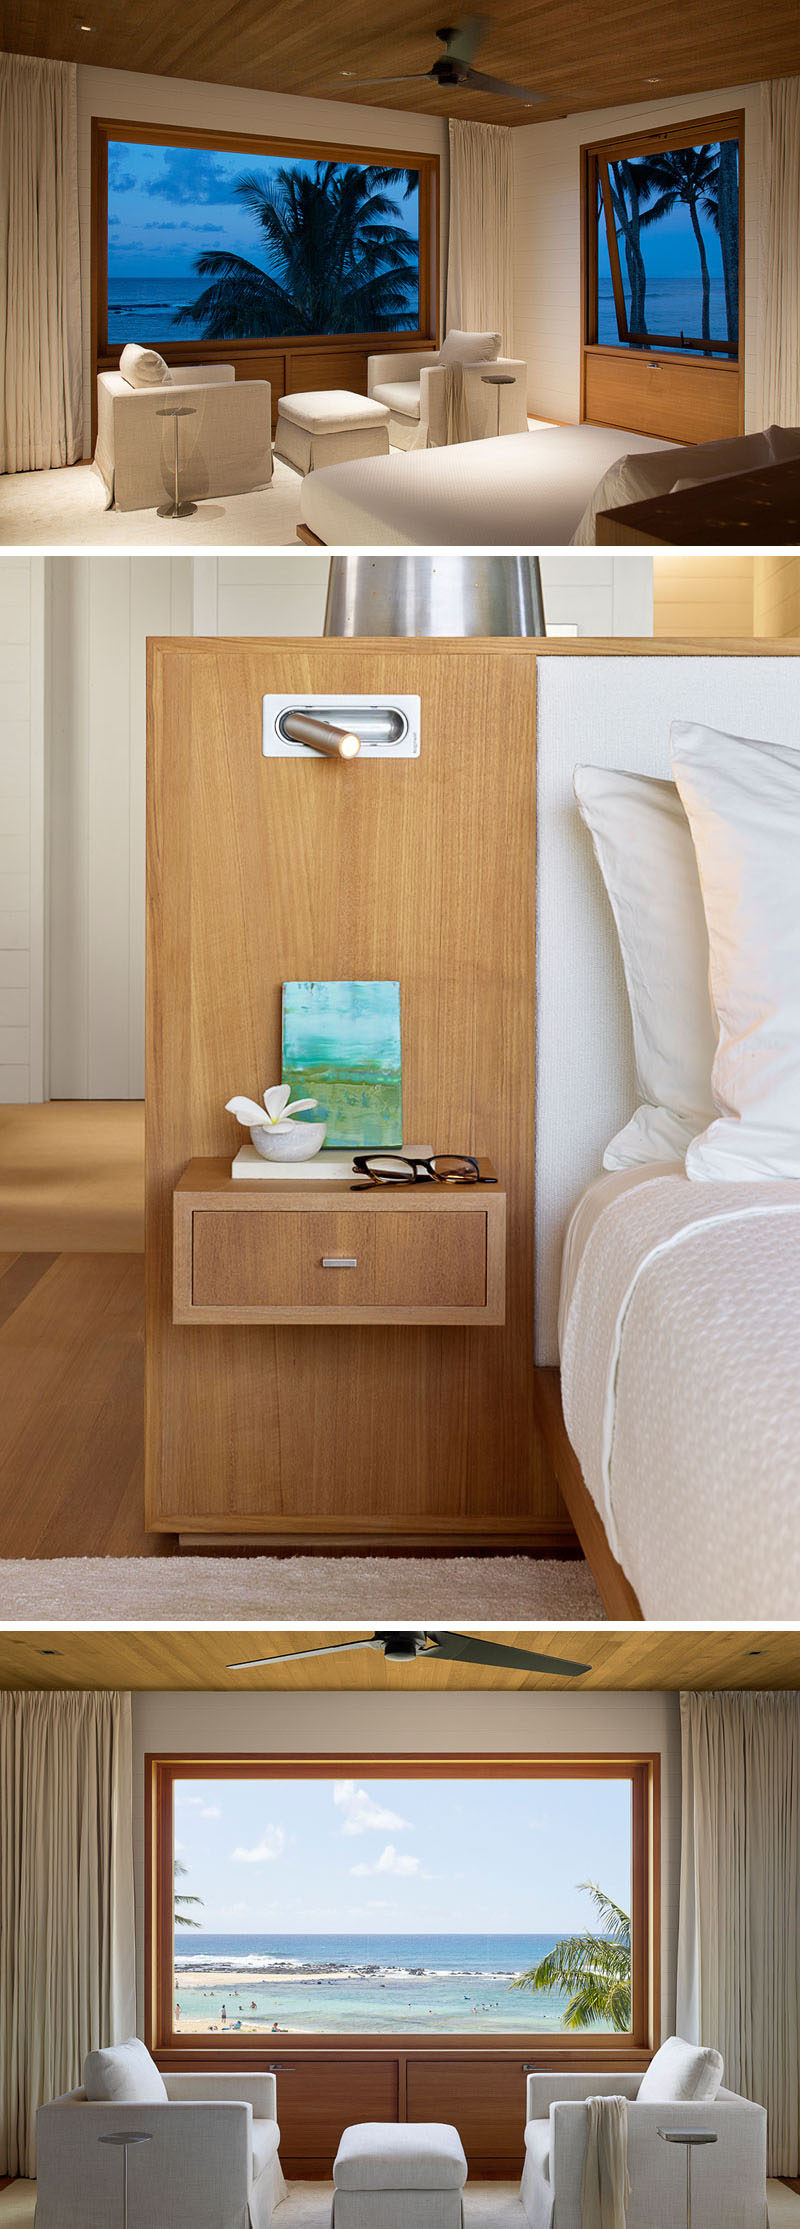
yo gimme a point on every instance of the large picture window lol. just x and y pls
(387, 1899)
(666, 248)
(202, 240)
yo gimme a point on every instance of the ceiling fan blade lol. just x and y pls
(467, 1648)
(478, 83)
(408, 77)
(466, 38)
(333, 1648)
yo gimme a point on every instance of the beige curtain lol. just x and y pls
(67, 1968)
(777, 397)
(739, 1928)
(480, 266)
(40, 299)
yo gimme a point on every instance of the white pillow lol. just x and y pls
(143, 367)
(743, 803)
(678, 2072)
(124, 2074)
(644, 849)
(470, 348)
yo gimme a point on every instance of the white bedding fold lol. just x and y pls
(679, 1359)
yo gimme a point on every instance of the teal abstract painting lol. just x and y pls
(341, 1046)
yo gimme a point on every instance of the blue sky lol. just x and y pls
(165, 204)
(401, 1856)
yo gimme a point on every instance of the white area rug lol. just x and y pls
(308, 2206)
(189, 1588)
(67, 507)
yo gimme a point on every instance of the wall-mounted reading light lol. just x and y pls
(320, 735)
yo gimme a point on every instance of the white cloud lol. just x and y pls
(198, 1803)
(390, 1861)
(271, 1845)
(362, 1813)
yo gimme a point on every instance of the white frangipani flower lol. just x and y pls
(279, 1112)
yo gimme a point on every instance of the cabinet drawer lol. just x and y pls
(331, 1261)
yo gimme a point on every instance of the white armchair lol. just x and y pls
(413, 387)
(225, 447)
(212, 2162)
(729, 2177)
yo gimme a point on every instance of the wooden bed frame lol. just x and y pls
(615, 1590)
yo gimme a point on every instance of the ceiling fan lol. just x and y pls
(454, 67)
(446, 1648)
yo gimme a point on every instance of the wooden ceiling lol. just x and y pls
(629, 1658)
(580, 55)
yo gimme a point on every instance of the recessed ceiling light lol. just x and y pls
(85, 26)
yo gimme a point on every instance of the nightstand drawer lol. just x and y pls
(327, 1259)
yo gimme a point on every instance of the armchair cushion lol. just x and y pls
(143, 367)
(266, 2138)
(401, 395)
(680, 2071)
(123, 2074)
(470, 348)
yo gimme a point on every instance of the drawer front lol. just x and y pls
(338, 1260)
(666, 396)
(485, 2098)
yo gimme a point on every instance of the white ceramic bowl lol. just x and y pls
(300, 1143)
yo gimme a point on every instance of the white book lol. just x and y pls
(330, 1166)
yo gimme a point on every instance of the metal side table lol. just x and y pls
(124, 2138)
(176, 509)
(498, 380)
(689, 2137)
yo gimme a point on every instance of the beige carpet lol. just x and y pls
(190, 1588)
(308, 2206)
(67, 507)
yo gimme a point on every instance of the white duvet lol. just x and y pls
(680, 1372)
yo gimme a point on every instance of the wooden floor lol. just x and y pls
(72, 1406)
(72, 1177)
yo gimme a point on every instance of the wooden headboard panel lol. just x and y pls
(260, 870)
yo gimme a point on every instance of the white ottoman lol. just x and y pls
(330, 428)
(399, 2175)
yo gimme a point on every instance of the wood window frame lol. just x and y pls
(625, 2051)
(594, 159)
(246, 353)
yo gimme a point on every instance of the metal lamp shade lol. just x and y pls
(445, 592)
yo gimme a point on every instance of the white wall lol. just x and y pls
(548, 235)
(539, 1723)
(21, 828)
(101, 610)
(285, 594)
(167, 101)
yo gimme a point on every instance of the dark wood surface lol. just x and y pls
(578, 55)
(749, 508)
(615, 1590)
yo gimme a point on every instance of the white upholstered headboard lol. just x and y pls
(607, 711)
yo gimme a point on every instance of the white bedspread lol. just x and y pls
(521, 491)
(680, 1371)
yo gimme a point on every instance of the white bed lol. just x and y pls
(525, 490)
(680, 1311)
(673, 1306)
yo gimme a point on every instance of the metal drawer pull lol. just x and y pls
(339, 1261)
(277, 2066)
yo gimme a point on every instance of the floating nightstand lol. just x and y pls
(302, 1254)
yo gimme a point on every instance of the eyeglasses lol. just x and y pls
(398, 1168)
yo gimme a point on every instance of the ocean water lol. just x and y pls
(351, 1984)
(671, 306)
(145, 308)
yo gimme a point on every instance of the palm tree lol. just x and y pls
(690, 176)
(182, 1917)
(594, 1970)
(340, 259)
(630, 184)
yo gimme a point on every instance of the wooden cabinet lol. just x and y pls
(319, 2096)
(485, 2096)
(676, 398)
(307, 1252)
